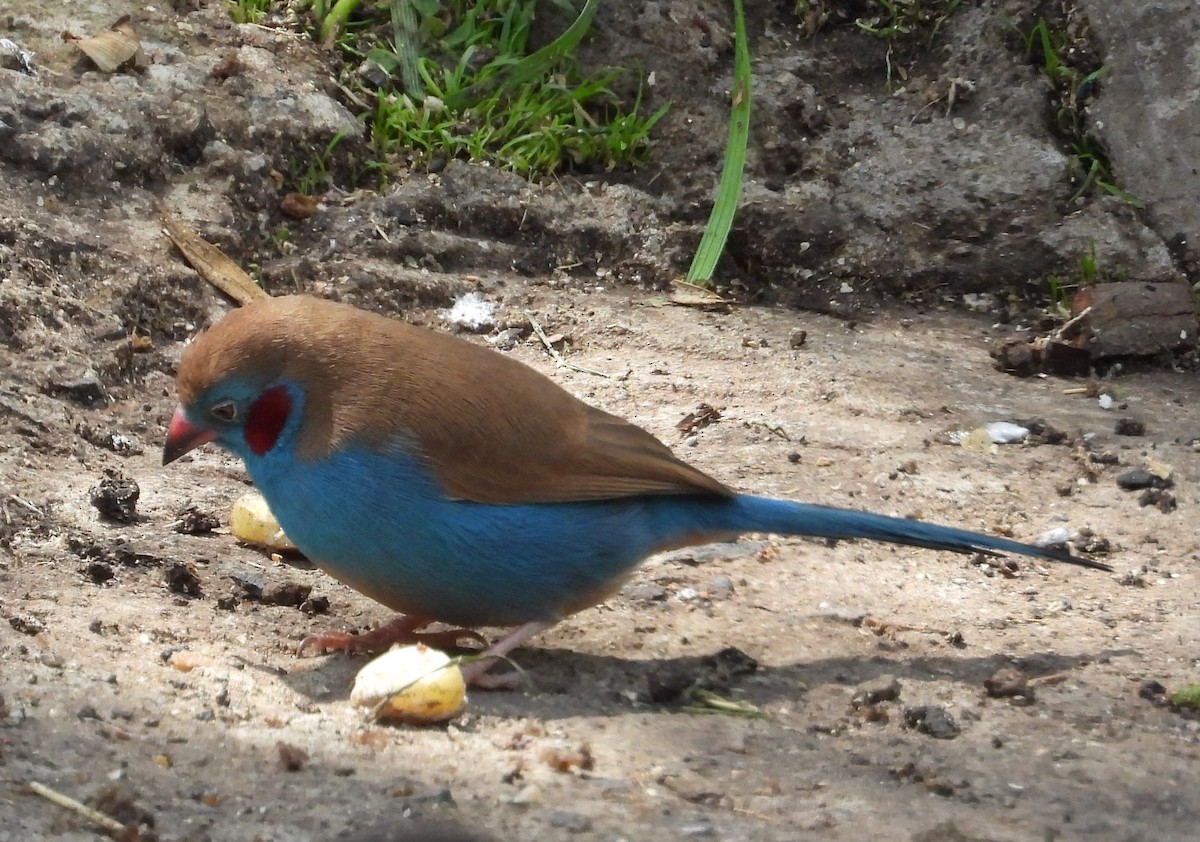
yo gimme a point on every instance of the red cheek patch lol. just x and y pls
(267, 418)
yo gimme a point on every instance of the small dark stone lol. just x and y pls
(1105, 458)
(794, 457)
(1016, 357)
(726, 665)
(182, 578)
(205, 715)
(1065, 360)
(374, 75)
(227, 603)
(84, 390)
(1041, 431)
(1139, 478)
(645, 593)
(250, 584)
(116, 498)
(27, 624)
(568, 821)
(288, 593)
(668, 680)
(1009, 683)
(87, 712)
(934, 721)
(99, 572)
(118, 443)
(193, 521)
(1130, 427)
(1152, 691)
(886, 688)
(1162, 500)
(315, 605)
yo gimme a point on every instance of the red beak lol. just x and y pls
(182, 437)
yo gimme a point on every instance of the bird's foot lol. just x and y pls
(403, 629)
(477, 672)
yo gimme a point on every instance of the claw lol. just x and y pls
(402, 629)
(477, 674)
(407, 629)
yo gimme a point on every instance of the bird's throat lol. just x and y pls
(267, 417)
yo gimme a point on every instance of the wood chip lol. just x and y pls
(213, 264)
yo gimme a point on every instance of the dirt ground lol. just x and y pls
(152, 672)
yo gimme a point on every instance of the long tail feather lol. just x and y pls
(784, 517)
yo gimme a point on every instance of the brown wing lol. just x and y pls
(601, 458)
(496, 431)
(493, 429)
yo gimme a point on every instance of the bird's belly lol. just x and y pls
(381, 525)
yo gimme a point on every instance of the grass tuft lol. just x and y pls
(457, 79)
(1075, 81)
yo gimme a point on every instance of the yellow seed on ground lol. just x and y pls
(413, 684)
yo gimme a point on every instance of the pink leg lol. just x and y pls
(477, 672)
(402, 629)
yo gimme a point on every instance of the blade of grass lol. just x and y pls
(406, 41)
(532, 65)
(712, 243)
(338, 14)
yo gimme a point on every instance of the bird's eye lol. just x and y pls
(224, 411)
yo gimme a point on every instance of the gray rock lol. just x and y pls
(1147, 110)
(569, 821)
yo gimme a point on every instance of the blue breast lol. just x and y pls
(379, 523)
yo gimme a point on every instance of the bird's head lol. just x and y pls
(234, 389)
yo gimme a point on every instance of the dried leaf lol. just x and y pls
(212, 263)
(112, 49)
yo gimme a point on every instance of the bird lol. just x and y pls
(454, 484)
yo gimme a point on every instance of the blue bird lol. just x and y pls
(454, 484)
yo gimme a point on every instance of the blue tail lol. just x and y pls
(784, 517)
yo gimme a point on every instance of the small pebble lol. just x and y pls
(1009, 683)
(646, 593)
(934, 721)
(886, 688)
(1130, 427)
(568, 821)
(701, 829)
(115, 498)
(1139, 478)
(720, 587)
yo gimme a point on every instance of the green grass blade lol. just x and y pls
(712, 243)
(532, 65)
(406, 41)
(338, 15)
